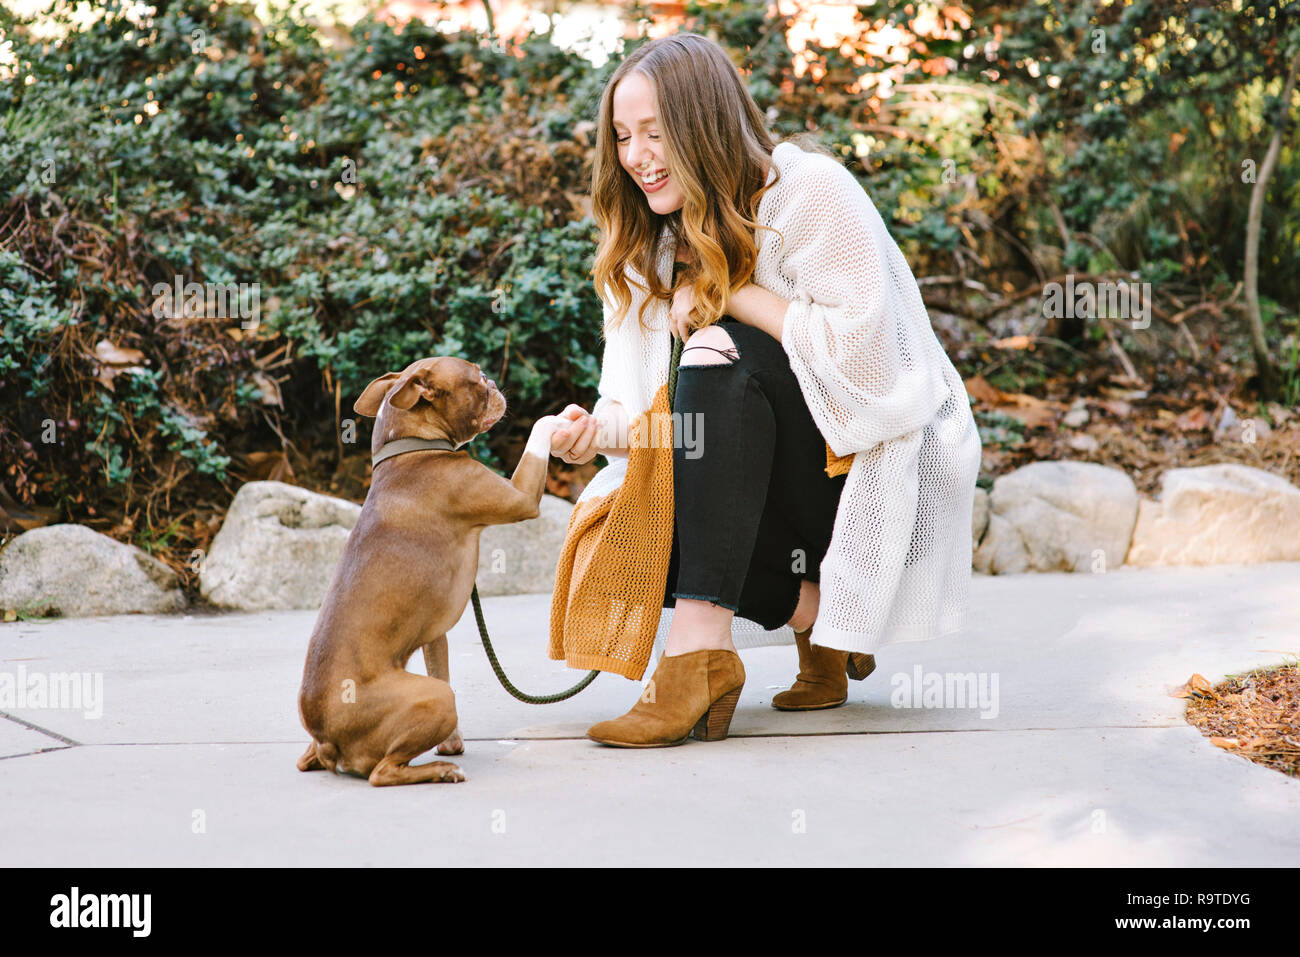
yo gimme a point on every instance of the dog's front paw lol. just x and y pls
(454, 744)
(443, 773)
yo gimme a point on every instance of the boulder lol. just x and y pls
(1214, 514)
(76, 572)
(520, 559)
(979, 516)
(1058, 516)
(277, 548)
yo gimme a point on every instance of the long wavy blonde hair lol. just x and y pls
(716, 147)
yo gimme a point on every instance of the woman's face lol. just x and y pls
(640, 146)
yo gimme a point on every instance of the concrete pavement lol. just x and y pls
(1074, 754)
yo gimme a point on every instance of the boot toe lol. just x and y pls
(797, 701)
(617, 734)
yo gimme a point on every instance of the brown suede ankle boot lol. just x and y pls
(822, 681)
(823, 676)
(694, 694)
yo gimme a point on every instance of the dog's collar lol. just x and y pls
(398, 446)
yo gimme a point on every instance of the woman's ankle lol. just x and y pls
(690, 643)
(697, 626)
(805, 613)
(799, 625)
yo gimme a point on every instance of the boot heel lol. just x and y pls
(714, 723)
(860, 666)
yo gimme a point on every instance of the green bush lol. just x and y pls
(408, 193)
(363, 190)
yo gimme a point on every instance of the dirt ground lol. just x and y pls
(1256, 715)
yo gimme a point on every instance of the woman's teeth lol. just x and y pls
(651, 180)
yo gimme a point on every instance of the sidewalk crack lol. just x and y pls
(45, 731)
(28, 754)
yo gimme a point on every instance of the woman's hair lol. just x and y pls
(716, 147)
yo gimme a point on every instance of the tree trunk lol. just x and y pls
(1268, 377)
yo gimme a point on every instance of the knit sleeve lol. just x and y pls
(855, 329)
(615, 381)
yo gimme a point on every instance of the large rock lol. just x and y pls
(76, 572)
(520, 559)
(1214, 514)
(979, 516)
(277, 548)
(1058, 516)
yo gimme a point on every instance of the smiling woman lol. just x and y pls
(834, 483)
(680, 144)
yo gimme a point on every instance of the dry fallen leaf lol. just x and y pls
(113, 360)
(1029, 409)
(1225, 742)
(1193, 420)
(984, 391)
(1117, 407)
(107, 352)
(1124, 395)
(1196, 687)
(1200, 684)
(1015, 342)
(270, 389)
(269, 466)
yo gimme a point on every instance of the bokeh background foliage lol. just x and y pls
(398, 192)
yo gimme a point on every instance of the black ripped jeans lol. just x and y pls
(754, 505)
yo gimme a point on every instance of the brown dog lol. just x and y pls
(406, 575)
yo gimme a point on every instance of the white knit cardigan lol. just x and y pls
(878, 384)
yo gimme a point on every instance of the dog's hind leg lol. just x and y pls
(436, 664)
(423, 711)
(391, 771)
(310, 760)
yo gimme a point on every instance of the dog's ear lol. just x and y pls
(413, 390)
(373, 396)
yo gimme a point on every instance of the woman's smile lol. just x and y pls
(654, 182)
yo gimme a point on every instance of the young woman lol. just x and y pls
(835, 473)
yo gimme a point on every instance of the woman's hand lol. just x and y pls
(574, 441)
(679, 313)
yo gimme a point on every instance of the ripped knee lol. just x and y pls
(709, 346)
